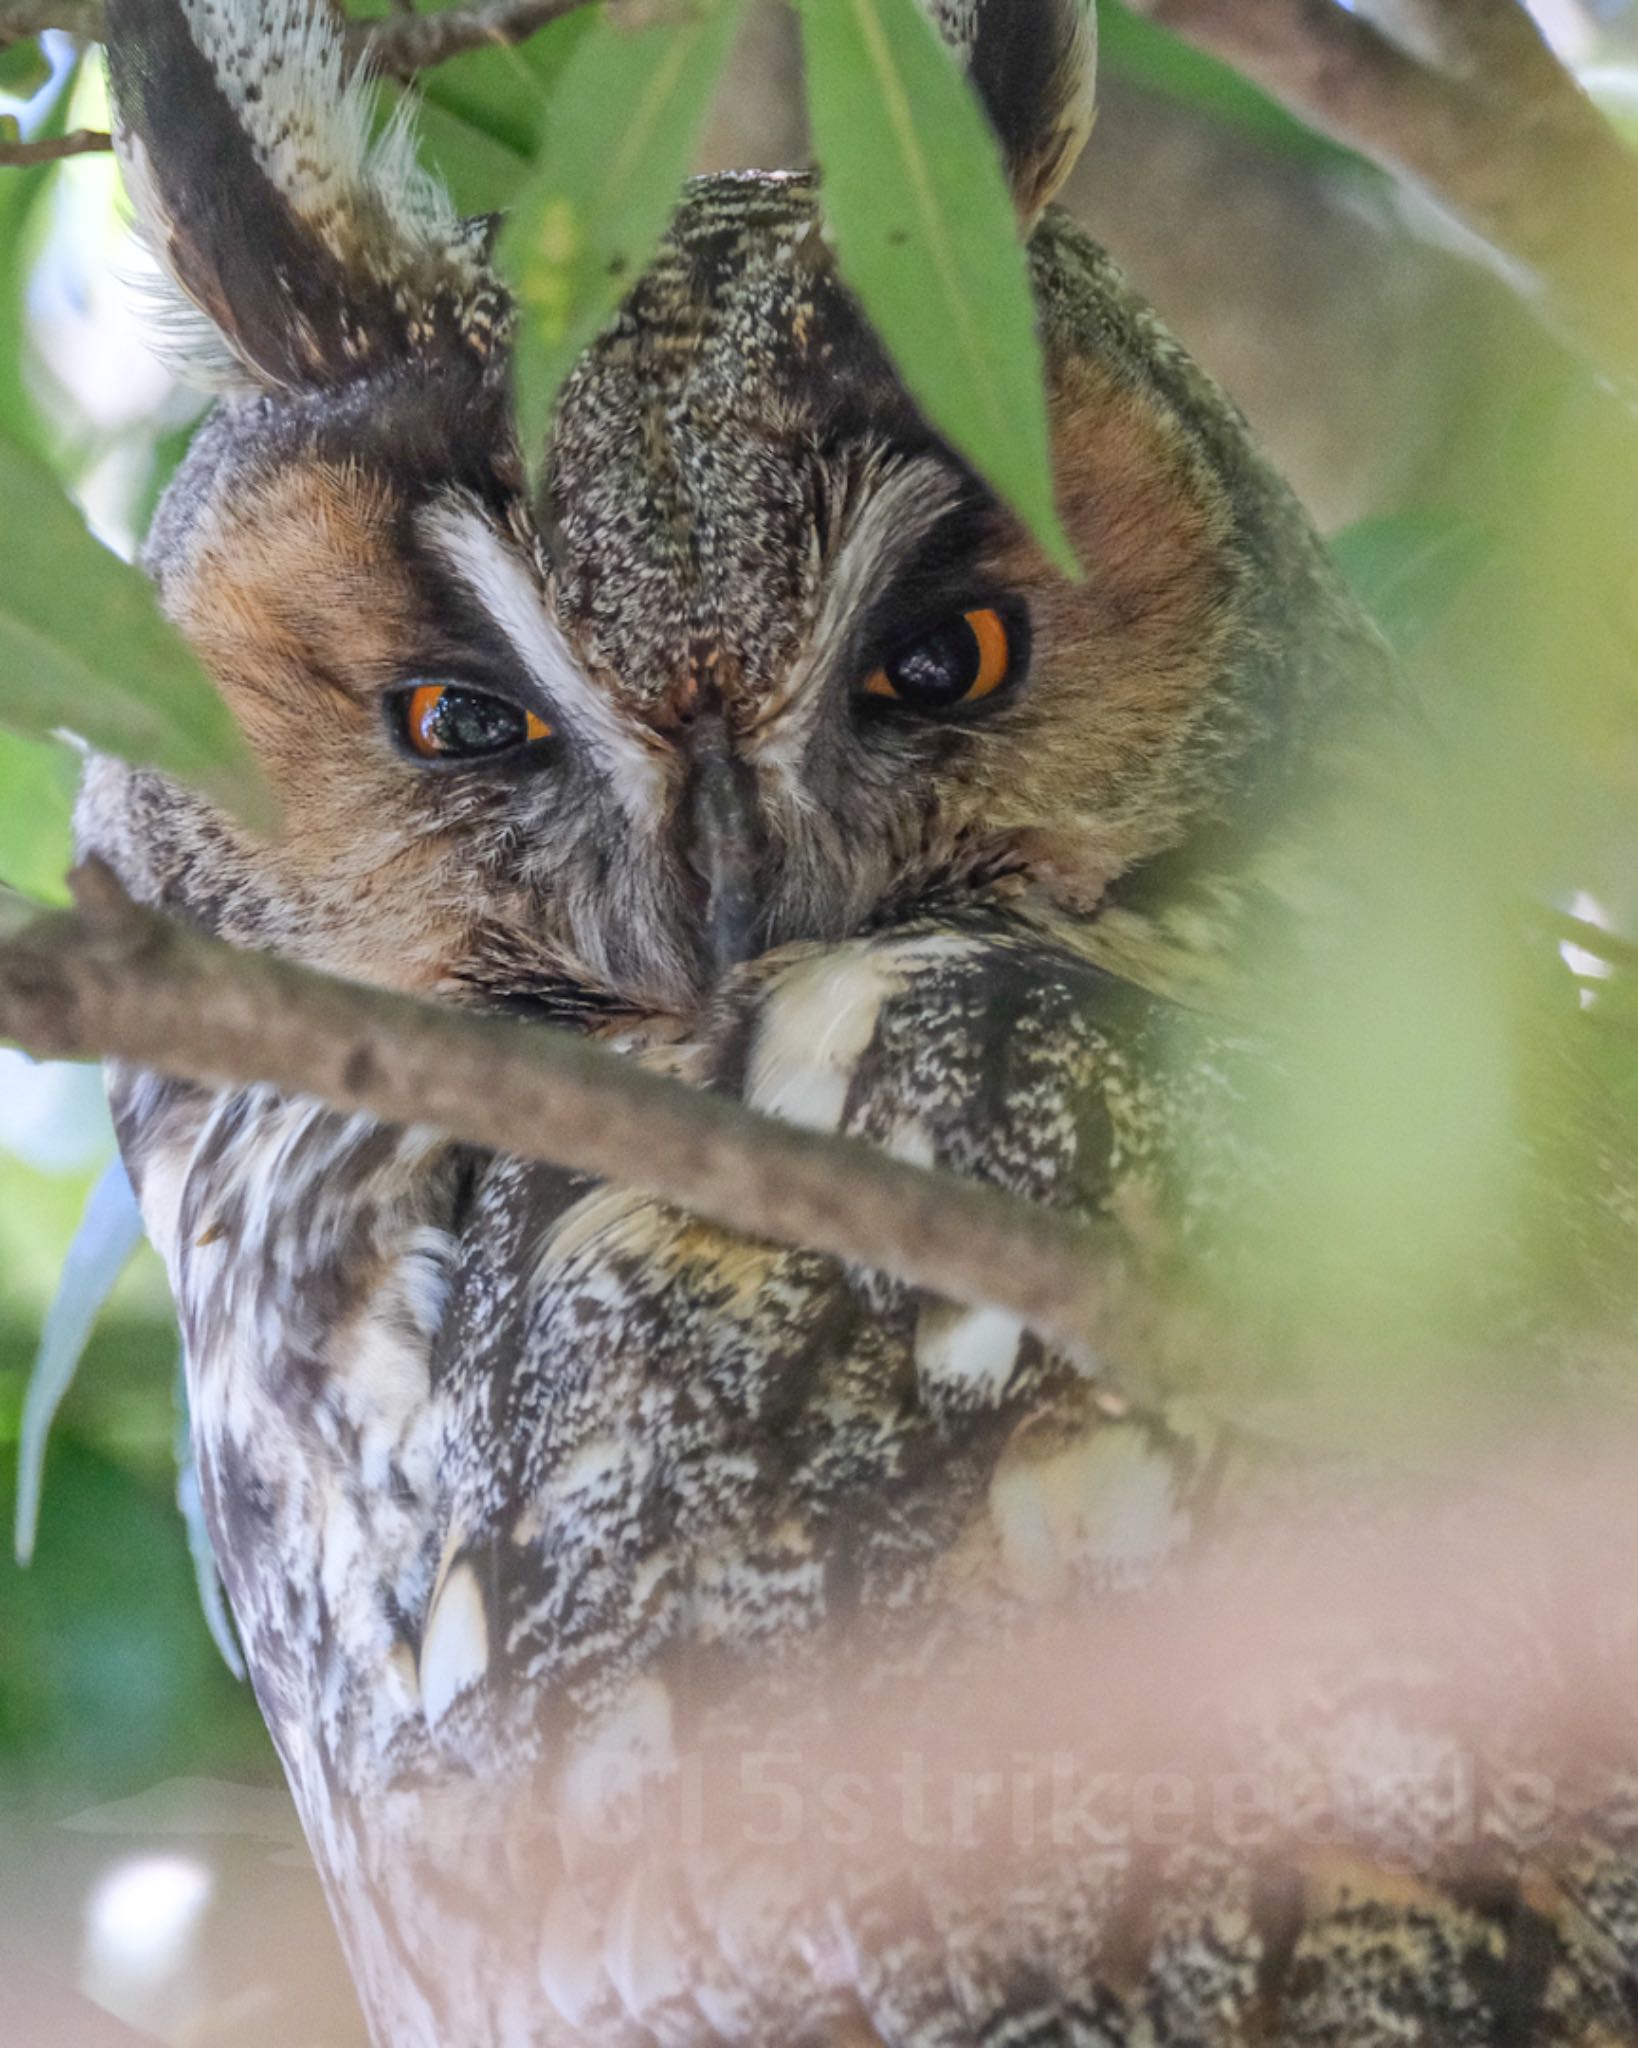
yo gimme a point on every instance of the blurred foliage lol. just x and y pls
(109, 1680)
(24, 68)
(1451, 1221)
(83, 643)
(1407, 569)
(23, 200)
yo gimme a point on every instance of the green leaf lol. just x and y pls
(1407, 568)
(620, 133)
(1141, 53)
(83, 646)
(481, 115)
(926, 235)
(24, 68)
(481, 174)
(36, 816)
(104, 1245)
(502, 90)
(23, 196)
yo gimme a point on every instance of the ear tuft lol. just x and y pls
(314, 250)
(1034, 64)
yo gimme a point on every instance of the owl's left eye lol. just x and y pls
(960, 661)
(444, 722)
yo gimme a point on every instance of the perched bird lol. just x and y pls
(763, 740)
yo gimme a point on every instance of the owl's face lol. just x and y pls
(760, 660)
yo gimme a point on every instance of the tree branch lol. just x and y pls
(20, 19)
(1497, 132)
(399, 45)
(80, 142)
(1493, 43)
(113, 978)
(407, 43)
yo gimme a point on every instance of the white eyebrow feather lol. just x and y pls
(898, 508)
(505, 586)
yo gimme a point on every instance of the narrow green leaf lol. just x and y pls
(925, 232)
(83, 646)
(481, 174)
(620, 133)
(36, 816)
(23, 196)
(502, 89)
(1139, 52)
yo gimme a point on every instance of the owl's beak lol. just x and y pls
(723, 844)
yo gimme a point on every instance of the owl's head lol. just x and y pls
(762, 659)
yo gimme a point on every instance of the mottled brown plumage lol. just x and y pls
(528, 1493)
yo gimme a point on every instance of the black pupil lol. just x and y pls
(940, 669)
(466, 722)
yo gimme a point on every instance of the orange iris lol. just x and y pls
(969, 658)
(432, 730)
(994, 651)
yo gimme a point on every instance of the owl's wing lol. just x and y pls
(746, 1555)
(672, 1637)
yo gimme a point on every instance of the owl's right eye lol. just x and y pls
(956, 664)
(446, 722)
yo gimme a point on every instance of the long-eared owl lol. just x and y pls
(760, 739)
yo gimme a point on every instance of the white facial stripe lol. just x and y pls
(504, 584)
(897, 510)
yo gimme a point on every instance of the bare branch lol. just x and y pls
(1493, 43)
(407, 43)
(20, 19)
(1505, 140)
(81, 142)
(113, 978)
(400, 45)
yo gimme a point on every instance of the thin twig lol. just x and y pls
(399, 45)
(404, 44)
(20, 19)
(1495, 44)
(1531, 167)
(113, 978)
(50, 150)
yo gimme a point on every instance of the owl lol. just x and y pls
(760, 740)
